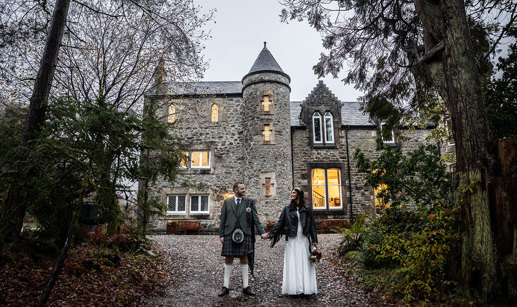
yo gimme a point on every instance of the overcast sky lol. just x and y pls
(242, 26)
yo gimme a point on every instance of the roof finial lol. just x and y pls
(265, 45)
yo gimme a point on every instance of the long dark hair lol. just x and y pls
(300, 197)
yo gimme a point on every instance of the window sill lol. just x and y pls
(200, 215)
(329, 212)
(391, 144)
(324, 146)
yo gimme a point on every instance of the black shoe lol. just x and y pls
(224, 292)
(248, 291)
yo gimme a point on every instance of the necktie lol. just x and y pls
(238, 201)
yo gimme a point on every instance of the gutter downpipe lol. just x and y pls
(350, 206)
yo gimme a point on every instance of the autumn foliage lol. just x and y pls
(105, 271)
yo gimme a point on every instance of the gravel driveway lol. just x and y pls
(197, 269)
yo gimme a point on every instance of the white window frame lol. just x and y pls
(176, 204)
(199, 205)
(329, 116)
(339, 186)
(392, 135)
(314, 116)
(200, 159)
(324, 188)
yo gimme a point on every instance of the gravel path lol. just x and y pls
(197, 269)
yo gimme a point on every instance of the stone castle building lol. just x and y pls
(251, 131)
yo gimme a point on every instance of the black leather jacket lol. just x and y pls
(288, 223)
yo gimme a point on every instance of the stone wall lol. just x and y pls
(267, 159)
(363, 138)
(225, 142)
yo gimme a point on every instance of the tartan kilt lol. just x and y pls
(237, 249)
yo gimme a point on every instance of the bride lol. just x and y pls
(297, 223)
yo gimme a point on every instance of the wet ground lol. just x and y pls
(197, 269)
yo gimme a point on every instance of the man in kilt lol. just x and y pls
(234, 215)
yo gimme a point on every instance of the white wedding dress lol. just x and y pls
(299, 271)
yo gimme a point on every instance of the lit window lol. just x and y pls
(317, 128)
(267, 133)
(450, 135)
(334, 188)
(268, 186)
(391, 137)
(215, 113)
(172, 114)
(380, 202)
(175, 204)
(318, 188)
(326, 188)
(266, 103)
(199, 204)
(329, 128)
(200, 159)
(183, 159)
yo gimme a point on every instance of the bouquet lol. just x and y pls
(315, 256)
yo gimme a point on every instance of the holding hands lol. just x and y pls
(265, 236)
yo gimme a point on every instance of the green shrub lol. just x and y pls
(416, 236)
(352, 237)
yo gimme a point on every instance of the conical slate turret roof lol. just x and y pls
(265, 62)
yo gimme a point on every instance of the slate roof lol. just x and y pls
(352, 115)
(201, 88)
(265, 62)
(296, 108)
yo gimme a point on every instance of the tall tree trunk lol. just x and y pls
(445, 23)
(14, 207)
(467, 108)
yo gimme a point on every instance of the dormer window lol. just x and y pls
(329, 128)
(390, 139)
(323, 129)
(317, 128)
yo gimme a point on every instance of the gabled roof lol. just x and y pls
(265, 62)
(351, 114)
(319, 89)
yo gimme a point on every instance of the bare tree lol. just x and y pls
(109, 52)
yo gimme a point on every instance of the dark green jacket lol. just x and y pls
(230, 213)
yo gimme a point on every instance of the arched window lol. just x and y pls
(317, 128)
(215, 113)
(171, 114)
(329, 128)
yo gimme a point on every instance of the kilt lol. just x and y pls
(237, 249)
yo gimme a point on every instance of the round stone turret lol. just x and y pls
(267, 135)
